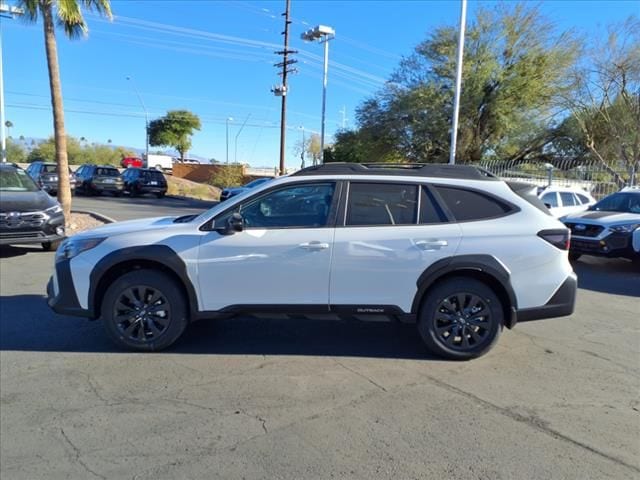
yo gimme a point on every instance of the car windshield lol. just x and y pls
(257, 182)
(107, 172)
(49, 169)
(16, 181)
(619, 202)
(149, 175)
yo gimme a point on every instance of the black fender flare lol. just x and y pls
(158, 254)
(486, 265)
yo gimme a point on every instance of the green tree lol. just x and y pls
(67, 14)
(46, 151)
(174, 130)
(605, 104)
(515, 73)
(15, 152)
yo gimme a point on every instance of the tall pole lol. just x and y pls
(235, 148)
(2, 120)
(283, 111)
(456, 103)
(324, 96)
(146, 118)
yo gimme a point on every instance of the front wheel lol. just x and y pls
(144, 310)
(50, 246)
(461, 319)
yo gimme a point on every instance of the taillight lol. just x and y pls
(558, 238)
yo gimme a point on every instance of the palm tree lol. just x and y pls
(68, 15)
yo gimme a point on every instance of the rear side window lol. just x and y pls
(107, 172)
(382, 204)
(568, 199)
(582, 198)
(469, 205)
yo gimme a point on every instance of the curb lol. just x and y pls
(99, 216)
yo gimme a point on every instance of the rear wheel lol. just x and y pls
(144, 310)
(461, 319)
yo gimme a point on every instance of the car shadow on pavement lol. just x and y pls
(615, 276)
(27, 324)
(7, 251)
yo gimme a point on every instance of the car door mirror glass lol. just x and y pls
(235, 223)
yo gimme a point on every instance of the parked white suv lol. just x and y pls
(563, 201)
(451, 247)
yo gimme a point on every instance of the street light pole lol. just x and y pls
(456, 103)
(6, 11)
(323, 34)
(235, 148)
(146, 118)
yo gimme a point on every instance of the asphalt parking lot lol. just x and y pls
(271, 398)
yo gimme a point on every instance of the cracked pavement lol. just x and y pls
(283, 399)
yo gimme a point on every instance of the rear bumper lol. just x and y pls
(61, 294)
(561, 304)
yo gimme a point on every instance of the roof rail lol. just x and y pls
(469, 172)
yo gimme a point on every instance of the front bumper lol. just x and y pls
(33, 230)
(61, 294)
(561, 304)
(615, 245)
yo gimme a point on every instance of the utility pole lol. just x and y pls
(146, 119)
(456, 103)
(6, 11)
(283, 90)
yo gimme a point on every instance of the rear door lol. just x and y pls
(388, 234)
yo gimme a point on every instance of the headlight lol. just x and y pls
(626, 228)
(73, 247)
(54, 210)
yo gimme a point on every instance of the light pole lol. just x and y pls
(146, 119)
(229, 119)
(456, 103)
(323, 34)
(6, 11)
(235, 149)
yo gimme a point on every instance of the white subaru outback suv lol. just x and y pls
(452, 248)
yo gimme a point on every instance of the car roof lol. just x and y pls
(468, 172)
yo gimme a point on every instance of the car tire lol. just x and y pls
(459, 332)
(117, 194)
(160, 195)
(50, 246)
(574, 256)
(128, 314)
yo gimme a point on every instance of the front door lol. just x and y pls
(282, 256)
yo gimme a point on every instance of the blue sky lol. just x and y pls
(216, 59)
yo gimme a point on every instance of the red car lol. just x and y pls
(133, 162)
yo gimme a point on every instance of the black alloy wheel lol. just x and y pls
(144, 310)
(461, 318)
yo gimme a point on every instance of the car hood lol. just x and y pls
(592, 217)
(26, 201)
(129, 226)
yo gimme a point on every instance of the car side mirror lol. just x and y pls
(548, 205)
(235, 223)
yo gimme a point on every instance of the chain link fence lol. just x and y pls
(598, 180)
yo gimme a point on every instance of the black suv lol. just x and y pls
(138, 181)
(27, 213)
(97, 179)
(45, 174)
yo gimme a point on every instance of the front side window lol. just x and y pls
(294, 206)
(382, 204)
(551, 199)
(468, 205)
